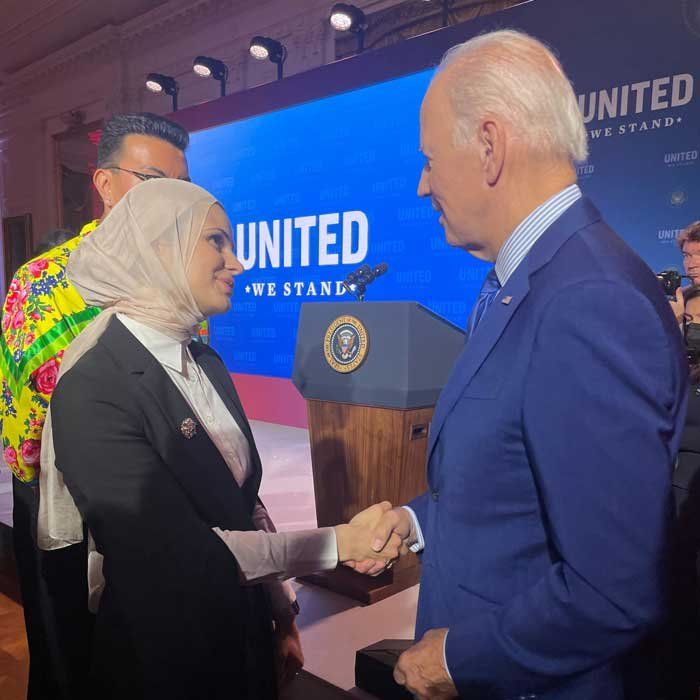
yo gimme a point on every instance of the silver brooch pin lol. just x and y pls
(188, 428)
(506, 300)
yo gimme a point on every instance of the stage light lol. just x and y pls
(348, 18)
(263, 48)
(206, 67)
(163, 84)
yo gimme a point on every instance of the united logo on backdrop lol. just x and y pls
(345, 344)
(691, 14)
(678, 198)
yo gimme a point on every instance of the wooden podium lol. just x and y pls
(369, 423)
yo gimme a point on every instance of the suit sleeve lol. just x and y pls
(599, 416)
(164, 567)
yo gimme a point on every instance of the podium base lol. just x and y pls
(365, 589)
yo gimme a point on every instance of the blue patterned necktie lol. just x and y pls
(489, 290)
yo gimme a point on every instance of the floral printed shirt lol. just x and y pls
(43, 312)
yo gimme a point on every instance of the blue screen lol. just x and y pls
(318, 189)
(315, 191)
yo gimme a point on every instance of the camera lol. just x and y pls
(670, 281)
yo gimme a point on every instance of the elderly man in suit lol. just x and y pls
(543, 533)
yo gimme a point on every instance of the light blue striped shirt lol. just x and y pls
(525, 235)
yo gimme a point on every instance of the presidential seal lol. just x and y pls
(345, 344)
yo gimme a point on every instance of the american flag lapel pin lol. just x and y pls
(188, 428)
(506, 300)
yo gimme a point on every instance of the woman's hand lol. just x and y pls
(289, 652)
(355, 539)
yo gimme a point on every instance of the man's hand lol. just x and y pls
(357, 539)
(393, 523)
(289, 653)
(678, 306)
(421, 668)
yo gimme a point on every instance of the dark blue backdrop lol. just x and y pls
(355, 155)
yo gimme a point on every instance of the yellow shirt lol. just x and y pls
(43, 312)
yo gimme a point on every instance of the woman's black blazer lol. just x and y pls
(174, 621)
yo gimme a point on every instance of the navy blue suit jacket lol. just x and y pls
(549, 471)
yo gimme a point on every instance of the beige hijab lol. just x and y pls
(135, 263)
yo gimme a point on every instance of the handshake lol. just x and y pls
(375, 538)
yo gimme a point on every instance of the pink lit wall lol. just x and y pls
(271, 399)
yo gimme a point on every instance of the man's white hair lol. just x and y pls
(510, 74)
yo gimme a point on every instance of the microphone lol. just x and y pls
(356, 282)
(358, 274)
(378, 271)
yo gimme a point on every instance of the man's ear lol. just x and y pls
(102, 179)
(492, 145)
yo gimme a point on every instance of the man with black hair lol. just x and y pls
(134, 148)
(41, 315)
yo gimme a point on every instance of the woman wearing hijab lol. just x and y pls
(147, 433)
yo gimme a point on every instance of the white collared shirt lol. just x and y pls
(262, 554)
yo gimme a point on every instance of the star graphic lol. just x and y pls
(679, 120)
(247, 289)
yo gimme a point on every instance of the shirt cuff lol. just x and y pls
(444, 656)
(416, 532)
(330, 552)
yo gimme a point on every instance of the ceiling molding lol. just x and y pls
(307, 31)
(176, 13)
(112, 38)
(80, 50)
(45, 14)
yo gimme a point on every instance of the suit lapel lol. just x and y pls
(193, 458)
(194, 461)
(478, 348)
(580, 214)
